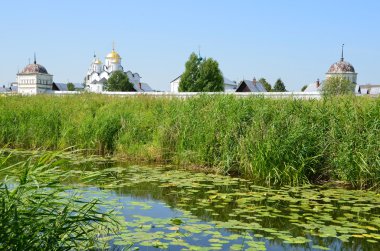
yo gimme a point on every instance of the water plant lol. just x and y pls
(162, 208)
(183, 210)
(37, 212)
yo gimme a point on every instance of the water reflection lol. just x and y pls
(337, 219)
(174, 209)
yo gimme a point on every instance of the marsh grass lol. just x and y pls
(37, 212)
(270, 141)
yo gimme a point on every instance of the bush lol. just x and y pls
(335, 86)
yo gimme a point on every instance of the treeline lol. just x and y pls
(204, 75)
(271, 141)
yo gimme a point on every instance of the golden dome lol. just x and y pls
(97, 61)
(114, 56)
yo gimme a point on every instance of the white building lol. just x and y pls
(11, 88)
(34, 79)
(370, 89)
(174, 85)
(314, 87)
(99, 73)
(229, 86)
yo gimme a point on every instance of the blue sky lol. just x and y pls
(294, 40)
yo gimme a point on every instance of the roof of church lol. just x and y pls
(114, 56)
(97, 61)
(341, 67)
(34, 68)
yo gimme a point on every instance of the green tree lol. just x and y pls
(335, 86)
(266, 85)
(210, 77)
(118, 81)
(190, 76)
(303, 88)
(70, 86)
(279, 86)
(201, 76)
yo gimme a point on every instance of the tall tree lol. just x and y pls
(266, 85)
(279, 86)
(188, 82)
(118, 81)
(201, 76)
(210, 77)
(70, 86)
(335, 86)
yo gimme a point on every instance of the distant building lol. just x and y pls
(250, 86)
(3, 88)
(370, 89)
(339, 69)
(99, 73)
(34, 79)
(63, 87)
(142, 87)
(174, 85)
(229, 86)
(317, 87)
(342, 69)
(12, 88)
(314, 87)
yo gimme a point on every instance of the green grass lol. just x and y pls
(269, 141)
(37, 212)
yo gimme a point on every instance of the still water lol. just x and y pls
(167, 209)
(163, 208)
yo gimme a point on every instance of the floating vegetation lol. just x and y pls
(165, 209)
(176, 209)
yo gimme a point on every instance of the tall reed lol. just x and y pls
(38, 213)
(272, 141)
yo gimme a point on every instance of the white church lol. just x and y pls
(34, 79)
(99, 73)
(342, 69)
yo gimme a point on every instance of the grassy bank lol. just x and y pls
(271, 141)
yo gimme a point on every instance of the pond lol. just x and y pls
(169, 209)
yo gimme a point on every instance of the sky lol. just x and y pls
(295, 40)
